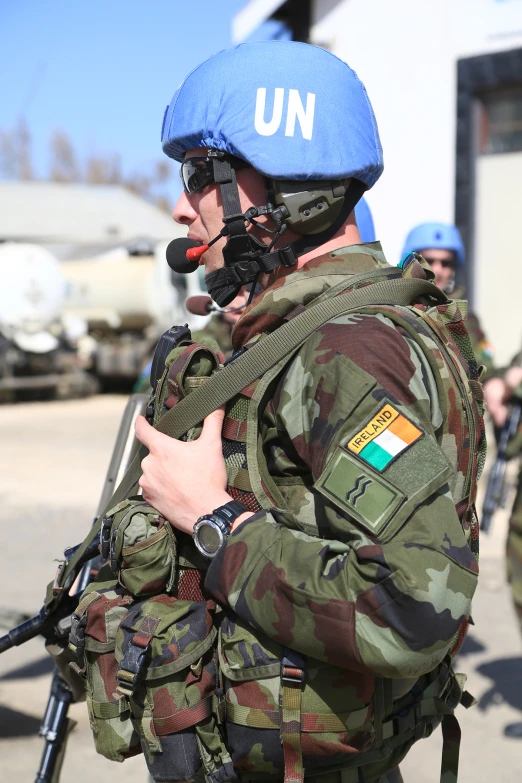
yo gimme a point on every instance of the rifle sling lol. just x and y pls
(254, 363)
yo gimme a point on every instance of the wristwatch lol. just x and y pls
(212, 530)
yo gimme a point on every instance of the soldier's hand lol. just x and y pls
(182, 480)
(512, 378)
(495, 392)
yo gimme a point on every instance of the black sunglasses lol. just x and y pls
(445, 262)
(198, 172)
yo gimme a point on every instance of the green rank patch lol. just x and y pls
(366, 495)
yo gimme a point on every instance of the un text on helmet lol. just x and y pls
(295, 110)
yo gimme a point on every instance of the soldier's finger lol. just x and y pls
(145, 433)
(213, 425)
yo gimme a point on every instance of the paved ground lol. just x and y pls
(53, 458)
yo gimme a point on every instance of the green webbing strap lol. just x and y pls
(449, 769)
(282, 342)
(291, 732)
(260, 358)
(311, 722)
(106, 710)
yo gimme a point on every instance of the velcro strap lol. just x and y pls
(146, 631)
(184, 718)
(109, 709)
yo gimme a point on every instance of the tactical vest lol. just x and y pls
(169, 673)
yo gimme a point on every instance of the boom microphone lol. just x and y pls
(183, 255)
(199, 305)
(177, 255)
(203, 305)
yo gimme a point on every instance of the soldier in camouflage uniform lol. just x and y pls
(348, 567)
(499, 391)
(441, 246)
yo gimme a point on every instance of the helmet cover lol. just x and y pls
(440, 236)
(291, 110)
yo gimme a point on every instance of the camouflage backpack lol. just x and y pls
(277, 711)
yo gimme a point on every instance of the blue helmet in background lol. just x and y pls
(364, 219)
(291, 110)
(442, 236)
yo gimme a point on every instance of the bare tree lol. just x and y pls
(8, 167)
(103, 170)
(163, 171)
(25, 165)
(64, 166)
(15, 152)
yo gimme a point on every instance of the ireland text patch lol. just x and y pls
(385, 436)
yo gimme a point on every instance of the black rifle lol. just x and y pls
(55, 626)
(495, 496)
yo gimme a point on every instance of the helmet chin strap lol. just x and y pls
(247, 257)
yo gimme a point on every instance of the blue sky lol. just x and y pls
(103, 70)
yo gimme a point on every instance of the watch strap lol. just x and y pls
(230, 511)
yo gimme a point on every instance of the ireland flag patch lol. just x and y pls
(385, 436)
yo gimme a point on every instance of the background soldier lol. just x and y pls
(347, 572)
(441, 246)
(499, 393)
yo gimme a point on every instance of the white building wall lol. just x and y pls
(406, 52)
(498, 268)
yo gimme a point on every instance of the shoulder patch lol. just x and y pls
(386, 435)
(382, 472)
(366, 495)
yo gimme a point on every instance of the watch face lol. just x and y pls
(210, 537)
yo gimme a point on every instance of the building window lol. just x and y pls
(501, 122)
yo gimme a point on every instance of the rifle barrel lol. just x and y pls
(494, 496)
(23, 632)
(54, 728)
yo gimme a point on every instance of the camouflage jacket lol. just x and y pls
(326, 566)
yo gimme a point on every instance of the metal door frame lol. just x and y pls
(475, 76)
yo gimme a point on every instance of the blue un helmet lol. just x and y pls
(300, 117)
(441, 236)
(364, 219)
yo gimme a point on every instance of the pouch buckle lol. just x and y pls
(57, 588)
(105, 537)
(77, 635)
(293, 667)
(130, 676)
(133, 665)
(112, 551)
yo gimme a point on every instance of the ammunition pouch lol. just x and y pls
(151, 674)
